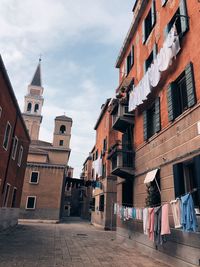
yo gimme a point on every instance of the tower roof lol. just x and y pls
(63, 118)
(37, 76)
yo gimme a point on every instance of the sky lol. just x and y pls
(79, 42)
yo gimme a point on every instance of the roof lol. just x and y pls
(36, 81)
(40, 143)
(103, 110)
(12, 94)
(139, 9)
(63, 118)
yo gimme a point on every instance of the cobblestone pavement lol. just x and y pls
(70, 244)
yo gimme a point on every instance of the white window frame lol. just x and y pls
(14, 188)
(8, 123)
(20, 156)
(5, 202)
(37, 177)
(34, 202)
(14, 149)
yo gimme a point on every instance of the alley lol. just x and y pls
(70, 244)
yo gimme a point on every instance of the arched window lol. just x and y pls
(29, 106)
(62, 129)
(36, 108)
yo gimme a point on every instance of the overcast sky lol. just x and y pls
(79, 42)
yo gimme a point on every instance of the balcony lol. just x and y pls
(122, 119)
(122, 161)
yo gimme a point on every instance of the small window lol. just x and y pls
(101, 203)
(14, 148)
(7, 136)
(104, 144)
(6, 195)
(34, 177)
(92, 204)
(130, 60)
(149, 22)
(30, 202)
(104, 170)
(0, 111)
(96, 154)
(62, 129)
(29, 107)
(14, 197)
(61, 142)
(20, 156)
(36, 108)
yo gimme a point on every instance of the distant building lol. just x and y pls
(47, 163)
(14, 143)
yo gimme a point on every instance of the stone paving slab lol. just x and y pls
(75, 244)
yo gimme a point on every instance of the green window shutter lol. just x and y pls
(184, 20)
(163, 2)
(179, 188)
(157, 115)
(170, 101)
(143, 32)
(189, 74)
(153, 13)
(145, 124)
(196, 161)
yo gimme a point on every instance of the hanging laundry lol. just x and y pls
(151, 224)
(158, 238)
(188, 215)
(133, 213)
(176, 212)
(115, 208)
(146, 221)
(165, 229)
(154, 74)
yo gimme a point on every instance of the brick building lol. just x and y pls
(47, 163)
(104, 194)
(160, 86)
(14, 143)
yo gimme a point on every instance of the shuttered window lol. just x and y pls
(149, 22)
(151, 119)
(101, 203)
(163, 2)
(181, 93)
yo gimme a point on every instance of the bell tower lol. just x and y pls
(62, 132)
(33, 102)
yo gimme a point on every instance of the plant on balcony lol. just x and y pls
(153, 195)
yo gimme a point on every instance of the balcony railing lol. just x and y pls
(122, 119)
(122, 160)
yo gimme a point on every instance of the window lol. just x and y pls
(181, 93)
(30, 202)
(62, 129)
(36, 108)
(149, 22)
(29, 107)
(101, 203)
(153, 194)
(14, 197)
(61, 142)
(0, 111)
(127, 193)
(104, 170)
(14, 148)
(96, 154)
(163, 2)
(151, 119)
(34, 177)
(150, 58)
(104, 145)
(7, 136)
(92, 204)
(6, 195)
(20, 156)
(180, 19)
(187, 179)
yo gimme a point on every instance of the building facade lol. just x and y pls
(104, 192)
(160, 86)
(47, 163)
(14, 144)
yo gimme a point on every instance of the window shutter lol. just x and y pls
(157, 115)
(170, 102)
(196, 161)
(132, 55)
(184, 20)
(145, 124)
(163, 2)
(143, 32)
(178, 180)
(155, 50)
(153, 13)
(189, 74)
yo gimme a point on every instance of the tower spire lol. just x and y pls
(36, 81)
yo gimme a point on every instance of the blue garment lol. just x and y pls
(133, 213)
(188, 216)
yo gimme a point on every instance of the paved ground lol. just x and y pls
(70, 244)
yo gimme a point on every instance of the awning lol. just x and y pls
(150, 176)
